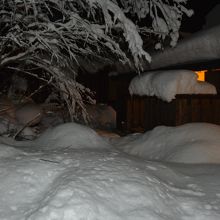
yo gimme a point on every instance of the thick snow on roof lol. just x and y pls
(201, 46)
(84, 177)
(166, 84)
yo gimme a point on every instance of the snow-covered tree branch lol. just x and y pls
(54, 34)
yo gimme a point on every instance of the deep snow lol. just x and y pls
(166, 84)
(201, 46)
(189, 143)
(72, 173)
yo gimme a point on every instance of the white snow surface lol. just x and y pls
(166, 84)
(201, 46)
(189, 143)
(71, 173)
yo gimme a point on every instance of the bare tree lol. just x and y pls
(54, 35)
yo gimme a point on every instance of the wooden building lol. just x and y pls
(144, 113)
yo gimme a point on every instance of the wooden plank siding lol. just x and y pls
(144, 113)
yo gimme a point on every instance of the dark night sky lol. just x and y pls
(201, 9)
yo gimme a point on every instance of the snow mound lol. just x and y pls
(189, 143)
(166, 84)
(106, 184)
(101, 185)
(68, 135)
(7, 151)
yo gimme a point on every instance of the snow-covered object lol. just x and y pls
(189, 143)
(68, 135)
(9, 128)
(74, 184)
(201, 46)
(6, 126)
(165, 84)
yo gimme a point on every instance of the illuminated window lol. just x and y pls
(201, 75)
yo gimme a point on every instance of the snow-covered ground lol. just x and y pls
(71, 173)
(166, 84)
(189, 143)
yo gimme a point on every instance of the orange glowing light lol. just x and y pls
(201, 75)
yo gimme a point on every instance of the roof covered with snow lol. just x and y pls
(199, 47)
(166, 84)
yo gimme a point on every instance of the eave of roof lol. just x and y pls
(200, 49)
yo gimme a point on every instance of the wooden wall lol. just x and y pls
(145, 113)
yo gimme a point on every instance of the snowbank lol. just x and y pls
(166, 84)
(189, 143)
(68, 135)
(81, 182)
(96, 185)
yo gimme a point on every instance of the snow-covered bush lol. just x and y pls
(54, 35)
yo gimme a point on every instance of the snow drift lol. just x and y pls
(80, 182)
(166, 84)
(68, 135)
(189, 143)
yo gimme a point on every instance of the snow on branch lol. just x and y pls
(164, 16)
(60, 33)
